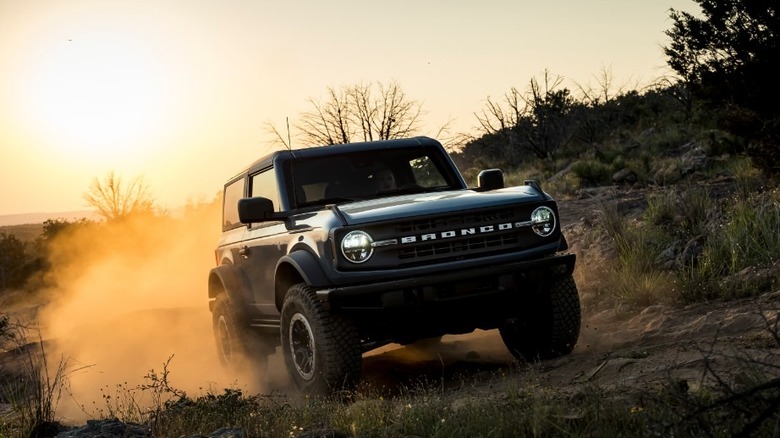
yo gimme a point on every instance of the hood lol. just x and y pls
(422, 204)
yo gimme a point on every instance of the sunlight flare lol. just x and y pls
(100, 92)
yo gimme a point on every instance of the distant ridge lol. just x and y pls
(38, 218)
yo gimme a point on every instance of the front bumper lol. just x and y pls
(449, 286)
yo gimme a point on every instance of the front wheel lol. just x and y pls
(321, 350)
(548, 324)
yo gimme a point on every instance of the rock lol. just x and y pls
(693, 160)
(761, 278)
(668, 174)
(227, 432)
(693, 250)
(624, 176)
(112, 428)
(667, 259)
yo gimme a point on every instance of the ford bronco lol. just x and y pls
(332, 251)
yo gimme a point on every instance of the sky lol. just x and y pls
(180, 92)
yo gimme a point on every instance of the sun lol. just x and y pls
(100, 93)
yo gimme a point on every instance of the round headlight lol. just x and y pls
(543, 221)
(356, 246)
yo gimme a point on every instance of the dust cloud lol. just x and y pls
(128, 296)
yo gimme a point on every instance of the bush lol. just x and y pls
(747, 240)
(592, 173)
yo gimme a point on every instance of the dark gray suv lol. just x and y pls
(332, 251)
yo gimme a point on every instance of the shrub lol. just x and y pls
(592, 173)
(747, 239)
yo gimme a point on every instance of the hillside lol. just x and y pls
(625, 359)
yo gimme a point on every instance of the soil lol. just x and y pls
(635, 351)
(659, 347)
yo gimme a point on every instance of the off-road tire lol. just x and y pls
(239, 348)
(548, 323)
(321, 350)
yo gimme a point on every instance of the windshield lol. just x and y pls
(369, 174)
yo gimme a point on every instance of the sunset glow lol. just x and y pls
(182, 91)
(99, 91)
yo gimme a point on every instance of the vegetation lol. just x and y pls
(36, 392)
(114, 198)
(14, 261)
(704, 150)
(424, 408)
(726, 58)
(359, 112)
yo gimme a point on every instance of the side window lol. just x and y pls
(233, 192)
(264, 184)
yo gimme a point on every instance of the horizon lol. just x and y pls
(34, 218)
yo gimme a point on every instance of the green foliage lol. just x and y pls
(740, 248)
(680, 212)
(521, 406)
(632, 280)
(667, 139)
(592, 173)
(661, 210)
(740, 244)
(728, 52)
(751, 233)
(14, 262)
(727, 57)
(694, 207)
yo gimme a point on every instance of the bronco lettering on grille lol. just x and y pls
(465, 232)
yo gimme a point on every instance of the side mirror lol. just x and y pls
(255, 210)
(490, 179)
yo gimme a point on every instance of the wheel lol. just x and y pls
(321, 350)
(238, 348)
(548, 325)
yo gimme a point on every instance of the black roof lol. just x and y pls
(342, 148)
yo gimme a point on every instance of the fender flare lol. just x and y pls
(234, 284)
(306, 267)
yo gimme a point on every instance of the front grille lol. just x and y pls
(452, 248)
(453, 236)
(463, 245)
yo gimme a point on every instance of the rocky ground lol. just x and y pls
(629, 352)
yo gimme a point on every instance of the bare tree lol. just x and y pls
(330, 122)
(549, 106)
(396, 115)
(278, 138)
(360, 112)
(114, 198)
(364, 108)
(536, 120)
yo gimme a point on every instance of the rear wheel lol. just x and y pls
(548, 324)
(238, 347)
(321, 350)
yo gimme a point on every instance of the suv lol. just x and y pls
(333, 251)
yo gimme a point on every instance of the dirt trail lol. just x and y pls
(659, 347)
